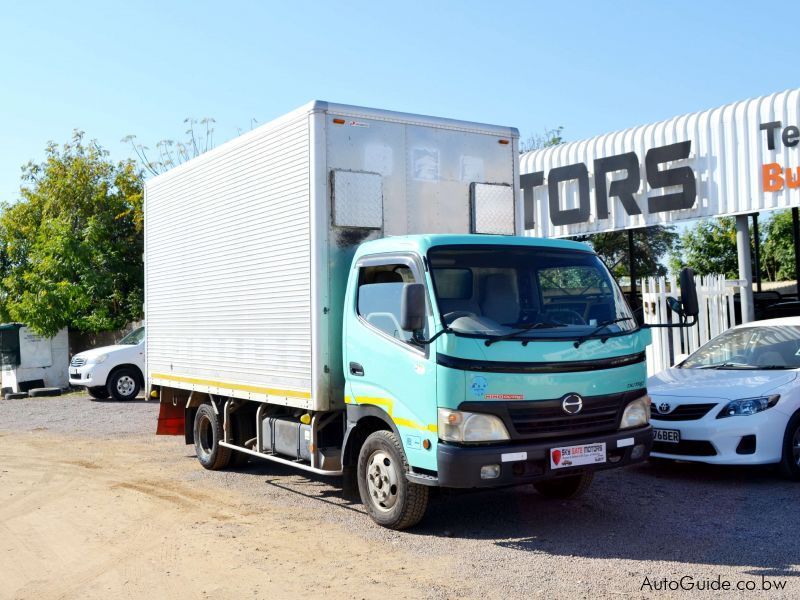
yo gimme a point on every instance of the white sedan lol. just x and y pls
(735, 401)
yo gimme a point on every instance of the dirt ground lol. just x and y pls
(94, 505)
(88, 520)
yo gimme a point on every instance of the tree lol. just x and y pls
(548, 138)
(71, 247)
(650, 246)
(709, 248)
(170, 153)
(777, 249)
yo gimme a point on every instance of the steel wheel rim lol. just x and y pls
(126, 385)
(796, 446)
(205, 436)
(382, 481)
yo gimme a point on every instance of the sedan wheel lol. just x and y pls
(790, 465)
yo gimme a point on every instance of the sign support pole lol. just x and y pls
(757, 249)
(633, 299)
(796, 239)
(745, 267)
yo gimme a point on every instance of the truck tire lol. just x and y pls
(565, 488)
(790, 464)
(390, 499)
(99, 392)
(123, 384)
(207, 436)
(45, 391)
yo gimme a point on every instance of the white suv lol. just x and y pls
(116, 371)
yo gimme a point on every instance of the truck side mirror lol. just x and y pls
(413, 307)
(691, 308)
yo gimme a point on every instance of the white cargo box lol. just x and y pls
(247, 247)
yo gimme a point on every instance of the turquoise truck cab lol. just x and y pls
(527, 366)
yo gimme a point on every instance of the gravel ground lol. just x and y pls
(637, 525)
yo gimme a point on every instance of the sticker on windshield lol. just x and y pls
(478, 386)
(504, 397)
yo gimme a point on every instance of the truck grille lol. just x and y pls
(683, 412)
(546, 419)
(78, 361)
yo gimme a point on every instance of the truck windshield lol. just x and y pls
(526, 292)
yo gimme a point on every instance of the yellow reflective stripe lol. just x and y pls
(243, 387)
(389, 406)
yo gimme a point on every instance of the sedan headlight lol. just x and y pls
(748, 406)
(465, 427)
(97, 359)
(636, 414)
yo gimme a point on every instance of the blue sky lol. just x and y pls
(141, 67)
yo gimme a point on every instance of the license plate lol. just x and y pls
(671, 436)
(576, 456)
(73, 372)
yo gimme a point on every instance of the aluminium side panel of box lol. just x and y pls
(229, 268)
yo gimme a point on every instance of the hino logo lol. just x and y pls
(572, 404)
(664, 408)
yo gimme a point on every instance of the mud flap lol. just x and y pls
(170, 419)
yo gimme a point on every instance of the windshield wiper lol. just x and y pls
(517, 332)
(598, 329)
(728, 365)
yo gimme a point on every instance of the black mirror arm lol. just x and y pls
(421, 340)
(682, 323)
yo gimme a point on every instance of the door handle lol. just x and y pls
(356, 369)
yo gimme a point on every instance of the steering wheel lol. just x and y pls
(565, 315)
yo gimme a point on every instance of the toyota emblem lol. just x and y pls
(572, 404)
(664, 408)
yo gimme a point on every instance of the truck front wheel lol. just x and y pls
(565, 488)
(99, 392)
(207, 436)
(390, 499)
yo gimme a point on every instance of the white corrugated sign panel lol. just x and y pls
(493, 208)
(727, 151)
(357, 199)
(228, 295)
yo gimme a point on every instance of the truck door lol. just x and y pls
(383, 365)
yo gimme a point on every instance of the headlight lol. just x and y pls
(461, 426)
(636, 414)
(748, 406)
(97, 359)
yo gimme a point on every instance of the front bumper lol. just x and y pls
(460, 466)
(724, 436)
(88, 375)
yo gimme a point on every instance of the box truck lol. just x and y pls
(347, 291)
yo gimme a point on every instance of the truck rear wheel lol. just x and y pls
(390, 499)
(207, 436)
(565, 488)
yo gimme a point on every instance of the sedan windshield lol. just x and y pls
(524, 292)
(757, 347)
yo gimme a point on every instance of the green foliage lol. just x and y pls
(777, 248)
(709, 248)
(650, 246)
(71, 247)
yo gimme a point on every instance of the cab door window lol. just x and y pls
(380, 290)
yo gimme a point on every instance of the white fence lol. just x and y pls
(671, 345)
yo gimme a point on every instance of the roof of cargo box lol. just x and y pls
(353, 113)
(422, 243)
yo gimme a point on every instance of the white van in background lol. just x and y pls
(116, 371)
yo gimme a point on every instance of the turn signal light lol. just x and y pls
(339, 121)
(504, 142)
